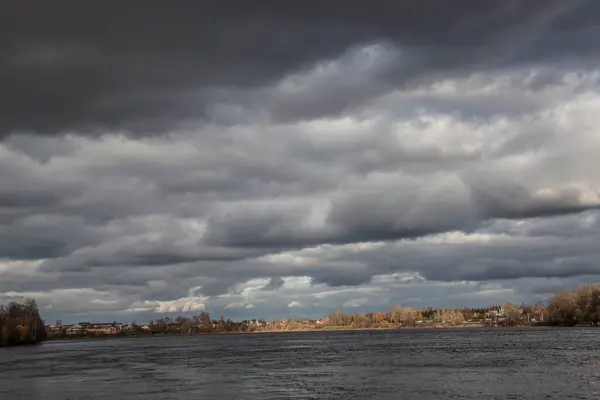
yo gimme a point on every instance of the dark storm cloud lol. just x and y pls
(333, 278)
(513, 201)
(388, 212)
(462, 257)
(66, 65)
(274, 283)
(164, 253)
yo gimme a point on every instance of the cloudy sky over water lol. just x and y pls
(288, 159)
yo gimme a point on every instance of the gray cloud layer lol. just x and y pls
(268, 161)
(139, 67)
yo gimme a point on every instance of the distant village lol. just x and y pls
(179, 326)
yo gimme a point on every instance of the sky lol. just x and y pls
(288, 159)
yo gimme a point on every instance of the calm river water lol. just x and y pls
(406, 364)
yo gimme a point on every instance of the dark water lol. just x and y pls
(408, 364)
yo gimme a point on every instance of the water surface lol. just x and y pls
(408, 364)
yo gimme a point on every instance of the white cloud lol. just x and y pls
(184, 304)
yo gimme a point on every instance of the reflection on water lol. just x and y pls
(407, 364)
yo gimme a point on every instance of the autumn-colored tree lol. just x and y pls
(561, 308)
(397, 314)
(21, 324)
(512, 313)
(581, 306)
(204, 322)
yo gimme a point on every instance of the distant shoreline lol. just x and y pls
(179, 335)
(325, 329)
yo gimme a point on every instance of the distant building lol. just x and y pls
(103, 328)
(75, 329)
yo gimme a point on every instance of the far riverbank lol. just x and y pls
(323, 329)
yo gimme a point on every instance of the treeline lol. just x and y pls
(203, 323)
(21, 324)
(399, 317)
(408, 317)
(578, 307)
(507, 314)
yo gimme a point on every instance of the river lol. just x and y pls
(405, 364)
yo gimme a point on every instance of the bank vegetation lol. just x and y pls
(580, 307)
(21, 324)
